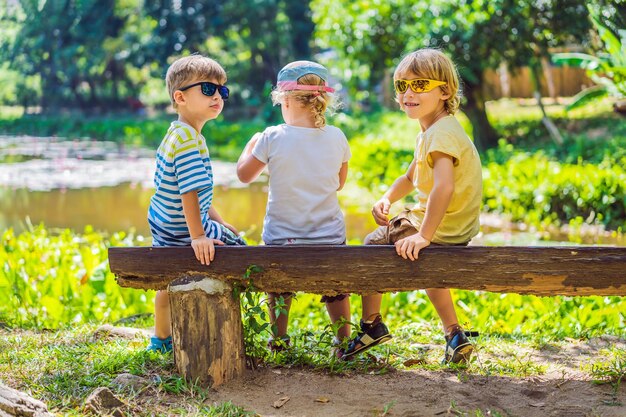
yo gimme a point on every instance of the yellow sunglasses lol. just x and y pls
(418, 85)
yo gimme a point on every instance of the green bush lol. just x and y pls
(536, 189)
(49, 280)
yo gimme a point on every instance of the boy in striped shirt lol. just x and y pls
(181, 212)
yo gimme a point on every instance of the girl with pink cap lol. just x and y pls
(307, 161)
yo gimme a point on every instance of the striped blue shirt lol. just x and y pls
(182, 165)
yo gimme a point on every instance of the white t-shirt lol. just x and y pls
(304, 166)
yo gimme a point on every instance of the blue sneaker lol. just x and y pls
(160, 345)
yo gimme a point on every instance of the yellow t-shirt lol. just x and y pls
(461, 221)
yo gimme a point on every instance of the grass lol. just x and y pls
(62, 368)
(610, 368)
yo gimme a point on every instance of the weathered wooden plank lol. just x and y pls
(367, 269)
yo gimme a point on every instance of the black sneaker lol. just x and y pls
(279, 344)
(458, 347)
(371, 334)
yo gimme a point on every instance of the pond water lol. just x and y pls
(75, 183)
(125, 206)
(71, 184)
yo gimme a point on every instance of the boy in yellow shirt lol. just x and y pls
(446, 172)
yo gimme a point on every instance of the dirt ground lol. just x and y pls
(419, 393)
(564, 390)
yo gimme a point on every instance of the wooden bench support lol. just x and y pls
(206, 330)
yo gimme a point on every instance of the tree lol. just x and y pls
(65, 43)
(607, 70)
(96, 54)
(367, 37)
(478, 34)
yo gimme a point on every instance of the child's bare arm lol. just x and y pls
(441, 194)
(343, 174)
(248, 167)
(438, 202)
(402, 186)
(214, 215)
(202, 246)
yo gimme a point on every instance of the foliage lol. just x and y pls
(53, 279)
(19, 89)
(70, 283)
(70, 49)
(537, 190)
(382, 147)
(479, 35)
(255, 321)
(607, 70)
(97, 56)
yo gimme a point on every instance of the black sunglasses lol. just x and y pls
(209, 88)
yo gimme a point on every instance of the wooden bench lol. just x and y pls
(206, 318)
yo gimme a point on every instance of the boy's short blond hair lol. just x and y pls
(434, 65)
(190, 68)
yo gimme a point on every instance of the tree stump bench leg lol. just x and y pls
(206, 330)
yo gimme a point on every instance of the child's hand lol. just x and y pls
(380, 211)
(410, 246)
(204, 248)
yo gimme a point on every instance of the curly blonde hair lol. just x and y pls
(190, 68)
(317, 101)
(435, 65)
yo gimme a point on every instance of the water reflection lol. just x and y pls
(124, 206)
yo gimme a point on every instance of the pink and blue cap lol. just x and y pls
(288, 77)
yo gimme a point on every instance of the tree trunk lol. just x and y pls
(485, 136)
(535, 78)
(206, 330)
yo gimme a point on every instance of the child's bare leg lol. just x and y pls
(442, 300)
(162, 318)
(371, 306)
(282, 320)
(337, 310)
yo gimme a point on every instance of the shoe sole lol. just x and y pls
(462, 353)
(379, 341)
